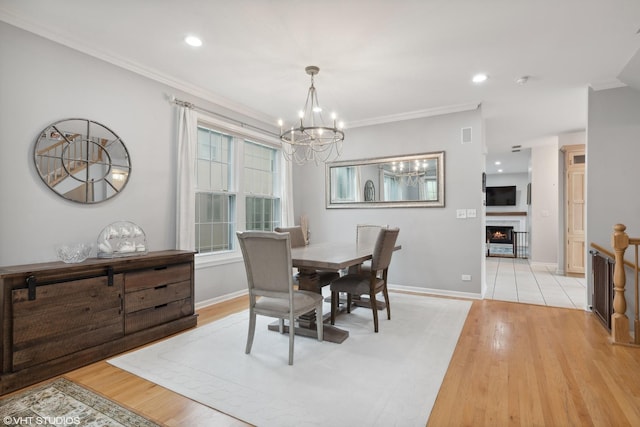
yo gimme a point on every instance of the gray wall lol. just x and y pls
(613, 147)
(42, 82)
(437, 248)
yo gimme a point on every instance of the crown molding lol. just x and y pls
(612, 84)
(118, 61)
(429, 112)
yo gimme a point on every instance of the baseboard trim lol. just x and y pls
(436, 292)
(216, 300)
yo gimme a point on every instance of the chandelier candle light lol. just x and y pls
(410, 177)
(312, 139)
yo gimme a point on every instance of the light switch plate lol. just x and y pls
(471, 213)
(461, 213)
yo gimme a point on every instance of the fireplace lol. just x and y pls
(500, 234)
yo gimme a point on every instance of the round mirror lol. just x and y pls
(82, 160)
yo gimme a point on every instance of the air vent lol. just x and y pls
(466, 135)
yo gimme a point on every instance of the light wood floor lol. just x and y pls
(514, 365)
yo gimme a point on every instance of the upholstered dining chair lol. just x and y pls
(297, 240)
(370, 282)
(267, 260)
(366, 235)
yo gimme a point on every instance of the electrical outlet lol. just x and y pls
(466, 277)
(461, 213)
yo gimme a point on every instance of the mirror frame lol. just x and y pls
(439, 203)
(63, 157)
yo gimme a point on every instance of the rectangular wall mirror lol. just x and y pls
(415, 180)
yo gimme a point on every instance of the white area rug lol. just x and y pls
(390, 378)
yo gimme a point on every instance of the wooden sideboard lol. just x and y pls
(55, 317)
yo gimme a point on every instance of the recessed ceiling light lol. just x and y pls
(193, 41)
(499, 170)
(479, 78)
(498, 163)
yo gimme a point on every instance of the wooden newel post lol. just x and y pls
(619, 320)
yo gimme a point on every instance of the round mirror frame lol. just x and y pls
(82, 160)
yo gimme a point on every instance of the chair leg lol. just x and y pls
(334, 306)
(252, 330)
(281, 326)
(348, 303)
(386, 300)
(374, 308)
(291, 335)
(319, 324)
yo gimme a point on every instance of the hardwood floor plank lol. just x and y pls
(542, 366)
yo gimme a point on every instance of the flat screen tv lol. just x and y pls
(501, 196)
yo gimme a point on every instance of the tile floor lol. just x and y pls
(514, 279)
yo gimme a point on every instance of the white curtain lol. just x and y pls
(359, 190)
(286, 201)
(186, 197)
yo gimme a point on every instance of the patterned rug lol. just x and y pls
(64, 403)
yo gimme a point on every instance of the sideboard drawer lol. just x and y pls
(155, 277)
(143, 319)
(158, 295)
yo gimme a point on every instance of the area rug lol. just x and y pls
(64, 403)
(386, 379)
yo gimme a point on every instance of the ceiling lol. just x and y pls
(379, 60)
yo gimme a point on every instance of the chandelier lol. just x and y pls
(411, 175)
(312, 139)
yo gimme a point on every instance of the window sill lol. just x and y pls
(213, 260)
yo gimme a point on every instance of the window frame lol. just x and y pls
(239, 136)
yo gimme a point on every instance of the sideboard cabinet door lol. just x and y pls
(64, 318)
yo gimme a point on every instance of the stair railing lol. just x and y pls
(619, 321)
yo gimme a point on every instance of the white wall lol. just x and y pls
(437, 248)
(544, 239)
(613, 150)
(42, 82)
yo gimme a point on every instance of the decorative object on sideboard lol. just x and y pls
(121, 239)
(82, 160)
(74, 252)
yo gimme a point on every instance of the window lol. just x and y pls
(215, 203)
(346, 187)
(261, 184)
(237, 187)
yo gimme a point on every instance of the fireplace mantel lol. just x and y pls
(506, 214)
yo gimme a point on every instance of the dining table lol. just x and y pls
(333, 256)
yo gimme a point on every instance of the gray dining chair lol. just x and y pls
(366, 235)
(297, 240)
(267, 260)
(370, 282)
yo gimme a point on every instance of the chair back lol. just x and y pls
(297, 236)
(367, 234)
(383, 249)
(267, 260)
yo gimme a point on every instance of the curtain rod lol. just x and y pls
(240, 123)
